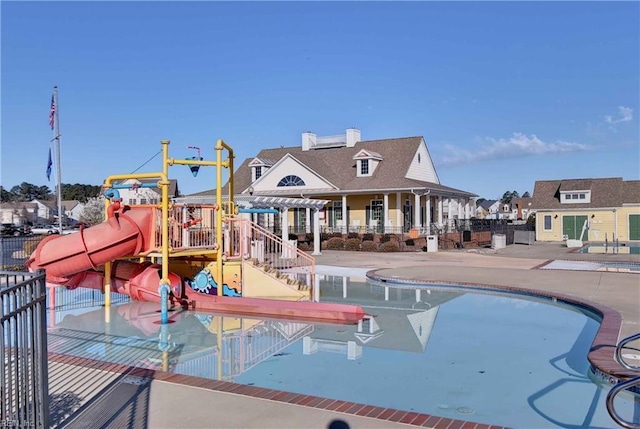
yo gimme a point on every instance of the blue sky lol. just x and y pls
(504, 93)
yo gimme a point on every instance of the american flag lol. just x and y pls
(52, 113)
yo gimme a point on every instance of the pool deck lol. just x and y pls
(106, 395)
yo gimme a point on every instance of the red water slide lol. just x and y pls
(124, 233)
(76, 260)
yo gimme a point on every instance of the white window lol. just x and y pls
(258, 172)
(364, 167)
(337, 210)
(132, 201)
(291, 180)
(575, 197)
(143, 201)
(547, 223)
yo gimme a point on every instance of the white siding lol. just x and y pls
(289, 166)
(424, 170)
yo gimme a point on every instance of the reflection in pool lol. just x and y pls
(488, 358)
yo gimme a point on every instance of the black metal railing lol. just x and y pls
(24, 399)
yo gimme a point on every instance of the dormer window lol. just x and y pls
(575, 197)
(364, 167)
(366, 162)
(259, 167)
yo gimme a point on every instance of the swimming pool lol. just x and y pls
(614, 266)
(488, 358)
(625, 248)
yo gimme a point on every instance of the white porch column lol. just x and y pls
(428, 215)
(345, 227)
(449, 210)
(416, 211)
(316, 233)
(344, 287)
(385, 210)
(307, 217)
(398, 211)
(439, 197)
(467, 210)
(284, 224)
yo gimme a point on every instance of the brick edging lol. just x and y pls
(320, 403)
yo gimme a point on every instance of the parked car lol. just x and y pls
(75, 227)
(44, 229)
(15, 230)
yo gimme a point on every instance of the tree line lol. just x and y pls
(507, 197)
(26, 192)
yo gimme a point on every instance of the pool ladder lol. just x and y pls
(623, 385)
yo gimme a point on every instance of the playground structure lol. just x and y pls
(199, 256)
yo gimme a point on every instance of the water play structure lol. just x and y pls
(188, 255)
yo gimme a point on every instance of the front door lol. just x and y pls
(634, 227)
(572, 227)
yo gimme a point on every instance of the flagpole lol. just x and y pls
(57, 139)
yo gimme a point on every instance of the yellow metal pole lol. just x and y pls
(218, 274)
(164, 185)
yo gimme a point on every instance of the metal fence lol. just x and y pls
(14, 251)
(24, 396)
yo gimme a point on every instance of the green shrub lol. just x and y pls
(352, 244)
(410, 242)
(335, 243)
(369, 246)
(293, 236)
(389, 246)
(353, 235)
(385, 238)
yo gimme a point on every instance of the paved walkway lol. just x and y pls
(107, 398)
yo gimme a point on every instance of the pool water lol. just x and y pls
(487, 358)
(622, 248)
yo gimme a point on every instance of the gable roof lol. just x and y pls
(605, 193)
(337, 166)
(18, 205)
(70, 204)
(486, 204)
(173, 185)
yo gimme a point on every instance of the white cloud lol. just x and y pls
(625, 114)
(517, 145)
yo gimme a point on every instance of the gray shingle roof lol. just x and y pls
(631, 192)
(336, 165)
(605, 192)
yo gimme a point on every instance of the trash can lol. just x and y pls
(498, 241)
(432, 243)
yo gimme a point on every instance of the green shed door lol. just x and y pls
(634, 227)
(572, 227)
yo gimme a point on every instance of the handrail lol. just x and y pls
(621, 345)
(623, 385)
(256, 242)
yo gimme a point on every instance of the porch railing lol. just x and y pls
(24, 385)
